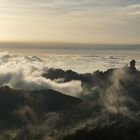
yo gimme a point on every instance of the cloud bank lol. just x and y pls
(22, 72)
(25, 72)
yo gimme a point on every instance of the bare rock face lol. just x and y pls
(133, 66)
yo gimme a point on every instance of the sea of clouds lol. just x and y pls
(25, 72)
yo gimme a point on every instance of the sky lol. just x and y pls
(74, 21)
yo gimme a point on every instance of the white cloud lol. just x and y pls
(23, 72)
(92, 21)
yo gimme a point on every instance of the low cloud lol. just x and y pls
(115, 99)
(23, 72)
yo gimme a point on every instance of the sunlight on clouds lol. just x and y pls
(87, 21)
(133, 11)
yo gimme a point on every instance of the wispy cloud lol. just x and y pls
(64, 6)
(73, 20)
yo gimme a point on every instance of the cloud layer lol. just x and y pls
(24, 72)
(88, 21)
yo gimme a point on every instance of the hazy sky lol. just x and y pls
(84, 21)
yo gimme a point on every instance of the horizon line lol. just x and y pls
(62, 43)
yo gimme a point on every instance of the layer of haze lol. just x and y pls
(84, 21)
